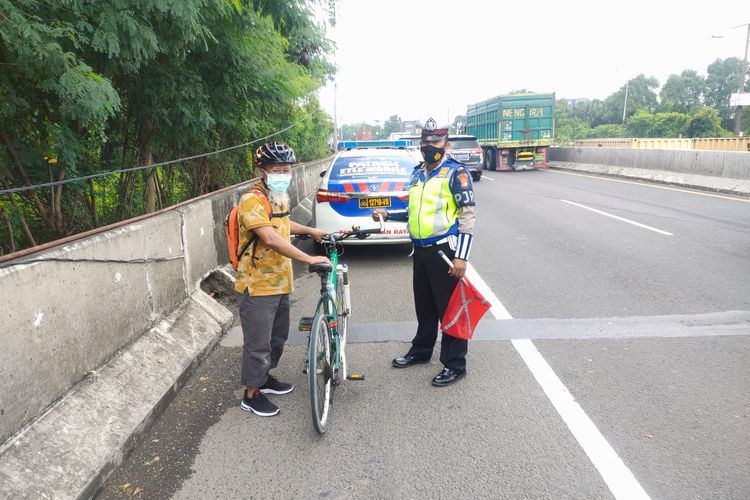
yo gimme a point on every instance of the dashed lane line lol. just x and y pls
(607, 214)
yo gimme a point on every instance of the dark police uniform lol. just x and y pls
(440, 217)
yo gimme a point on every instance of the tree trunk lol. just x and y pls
(19, 211)
(147, 158)
(11, 240)
(32, 195)
(150, 191)
(60, 225)
(92, 204)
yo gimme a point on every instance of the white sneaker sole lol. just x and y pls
(259, 413)
(272, 391)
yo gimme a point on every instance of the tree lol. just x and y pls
(90, 87)
(722, 79)
(682, 93)
(391, 125)
(641, 96)
(644, 124)
(706, 123)
(606, 130)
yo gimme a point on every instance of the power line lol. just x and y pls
(153, 165)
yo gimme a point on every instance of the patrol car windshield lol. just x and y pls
(362, 167)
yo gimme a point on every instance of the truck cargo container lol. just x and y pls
(514, 130)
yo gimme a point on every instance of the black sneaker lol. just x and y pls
(259, 404)
(273, 386)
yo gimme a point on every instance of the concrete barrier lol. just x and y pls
(726, 171)
(67, 311)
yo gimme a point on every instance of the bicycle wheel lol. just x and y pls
(319, 371)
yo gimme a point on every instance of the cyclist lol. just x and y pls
(440, 216)
(264, 275)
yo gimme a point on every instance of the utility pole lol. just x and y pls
(335, 90)
(625, 106)
(743, 74)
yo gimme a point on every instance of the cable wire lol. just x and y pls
(153, 165)
(97, 261)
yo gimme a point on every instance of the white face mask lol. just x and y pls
(278, 183)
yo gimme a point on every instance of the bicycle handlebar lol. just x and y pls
(356, 232)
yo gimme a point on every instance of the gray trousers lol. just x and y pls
(265, 328)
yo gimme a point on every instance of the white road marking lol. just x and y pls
(651, 185)
(606, 214)
(497, 308)
(488, 178)
(617, 476)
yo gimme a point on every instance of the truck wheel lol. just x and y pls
(489, 159)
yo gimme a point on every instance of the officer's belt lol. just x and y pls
(441, 241)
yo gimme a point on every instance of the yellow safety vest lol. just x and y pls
(432, 208)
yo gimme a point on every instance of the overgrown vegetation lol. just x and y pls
(89, 86)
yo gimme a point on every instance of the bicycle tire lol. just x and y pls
(319, 371)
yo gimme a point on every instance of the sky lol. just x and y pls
(419, 58)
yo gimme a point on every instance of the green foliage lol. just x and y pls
(606, 130)
(722, 79)
(392, 124)
(97, 86)
(641, 92)
(682, 93)
(706, 123)
(644, 124)
(687, 106)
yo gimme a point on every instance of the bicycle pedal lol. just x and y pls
(356, 376)
(305, 324)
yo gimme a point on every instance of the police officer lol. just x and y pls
(440, 216)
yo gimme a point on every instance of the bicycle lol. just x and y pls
(325, 363)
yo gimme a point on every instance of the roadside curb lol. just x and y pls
(739, 187)
(71, 449)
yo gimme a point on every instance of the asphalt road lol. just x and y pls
(637, 298)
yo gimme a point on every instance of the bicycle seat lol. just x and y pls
(320, 268)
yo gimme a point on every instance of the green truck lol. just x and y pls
(514, 130)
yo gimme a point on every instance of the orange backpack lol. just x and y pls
(232, 229)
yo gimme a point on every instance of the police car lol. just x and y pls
(359, 180)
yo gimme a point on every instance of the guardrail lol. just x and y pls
(695, 144)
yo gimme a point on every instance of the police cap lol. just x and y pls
(432, 132)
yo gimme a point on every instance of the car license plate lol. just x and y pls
(461, 156)
(374, 202)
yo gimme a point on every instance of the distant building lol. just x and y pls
(363, 135)
(411, 127)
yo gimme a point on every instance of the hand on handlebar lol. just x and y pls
(318, 234)
(379, 212)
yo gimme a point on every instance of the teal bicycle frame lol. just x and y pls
(329, 306)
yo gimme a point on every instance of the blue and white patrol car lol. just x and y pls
(359, 180)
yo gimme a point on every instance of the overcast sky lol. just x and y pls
(418, 58)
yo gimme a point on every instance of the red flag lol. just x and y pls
(465, 308)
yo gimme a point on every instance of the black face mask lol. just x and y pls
(431, 154)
